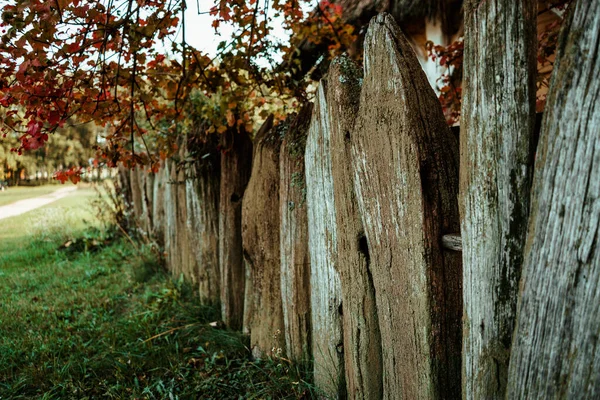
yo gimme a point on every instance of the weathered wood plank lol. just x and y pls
(406, 177)
(362, 339)
(497, 123)
(183, 251)
(556, 351)
(260, 238)
(202, 197)
(140, 191)
(236, 163)
(148, 198)
(136, 194)
(326, 297)
(295, 259)
(124, 180)
(158, 205)
(170, 209)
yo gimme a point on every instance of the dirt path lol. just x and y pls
(23, 206)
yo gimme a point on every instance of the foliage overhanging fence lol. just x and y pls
(334, 239)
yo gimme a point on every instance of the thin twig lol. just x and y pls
(170, 331)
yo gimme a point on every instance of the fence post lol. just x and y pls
(362, 338)
(295, 259)
(497, 122)
(170, 216)
(405, 161)
(260, 238)
(236, 162)
(326, 296)
(158, 205)
(555, 350)
(202, 197)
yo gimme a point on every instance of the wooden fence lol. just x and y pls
(334, 238)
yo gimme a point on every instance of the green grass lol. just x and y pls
(16, 193)
(110, 324)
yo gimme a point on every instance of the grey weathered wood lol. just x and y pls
(170, 208)
(362, 339)
(497, 122)
(148, 199)
(406, 177)
(326, 297)
(295, 259)
(202, 197)
(556, 350)
(136, 194)
(183, 254)
(236, 162)
(124, 180)
(158, 205)
(140, 192)
(260, 238)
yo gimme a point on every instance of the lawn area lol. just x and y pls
(16, 193)
(109, 323)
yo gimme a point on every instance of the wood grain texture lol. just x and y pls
(295, 259)
(124, 180)
(260, 238)
(497, 123)
(326, 296)
(362, 339)
(556, 352)
(202, 203)
(148, 201)
(158, 206)
(405, 163)
(170, 202)
(452, 242)
(183, 252)
(136, 194)
(141, 193)
(236, 163)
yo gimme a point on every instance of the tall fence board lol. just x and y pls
(362, 338)
(556, 347)
(406, 176)
(295, 259)
(236, 163)
(202, 202)
(148, 200)
(158, 206)
(497, 125)
(326, 296)
(260, 237)
(170, 220)
(136, 188)
(185, 251)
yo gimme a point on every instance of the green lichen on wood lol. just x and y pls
(350, 74)
(298, 132)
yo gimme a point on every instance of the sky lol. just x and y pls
(201, 35)
(199, 32)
